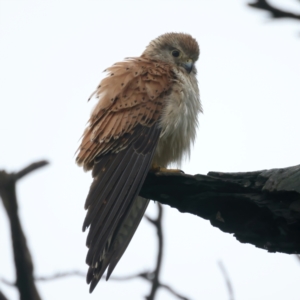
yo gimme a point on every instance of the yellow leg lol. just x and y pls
(156, 168)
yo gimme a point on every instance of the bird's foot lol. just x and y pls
(158, 169)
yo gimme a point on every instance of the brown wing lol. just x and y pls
(118, 146)
(132, 93)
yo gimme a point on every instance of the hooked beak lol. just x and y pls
(188, 65)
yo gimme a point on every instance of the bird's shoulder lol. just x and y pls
(132, 93)
(132, 81)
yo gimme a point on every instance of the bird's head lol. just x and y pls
(179, 49)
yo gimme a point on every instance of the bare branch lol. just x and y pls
(60, 275)
(32, 167)
(144, 275)
(130, 277)
(2, 297)
(152, 221)
(158, 224)
(227, 280)
(149, 277)
(276, 13)
(22, 257)
(173, 292)
(9, 283)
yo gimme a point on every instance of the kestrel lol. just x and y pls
(145, 118)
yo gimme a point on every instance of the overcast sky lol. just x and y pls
(52, 57)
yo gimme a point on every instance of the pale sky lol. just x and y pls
(52, 57)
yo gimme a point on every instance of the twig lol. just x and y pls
(149, 277)
(158, 224)
(23, 262)
(227, 280)
(144, 275)
(60, 275)
(2, 297)
(32, 167)
(173, 292)
(298, 257)
(276, 13)
(9, 283)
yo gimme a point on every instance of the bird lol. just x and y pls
(145, 119)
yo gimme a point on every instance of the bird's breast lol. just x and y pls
(178, 121)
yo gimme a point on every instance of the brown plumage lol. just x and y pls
(147, 113)
(131, 94)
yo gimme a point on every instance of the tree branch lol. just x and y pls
(60, 275)
(276, 13)
(32, 167)
(261, 208)
(155, 280)
(2, 297)
(227, 280)
(168, 288)
(23, 262)
(9, 283)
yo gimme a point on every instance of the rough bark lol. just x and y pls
(261, 208)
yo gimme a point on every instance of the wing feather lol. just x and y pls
(122, 181)
(125, 234)
(127, 96)
(103, 240)
(118, 145)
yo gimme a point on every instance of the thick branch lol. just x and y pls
(261, 208)
(276, 13)
(23, 262)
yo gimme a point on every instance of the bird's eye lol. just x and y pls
(176, 53)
